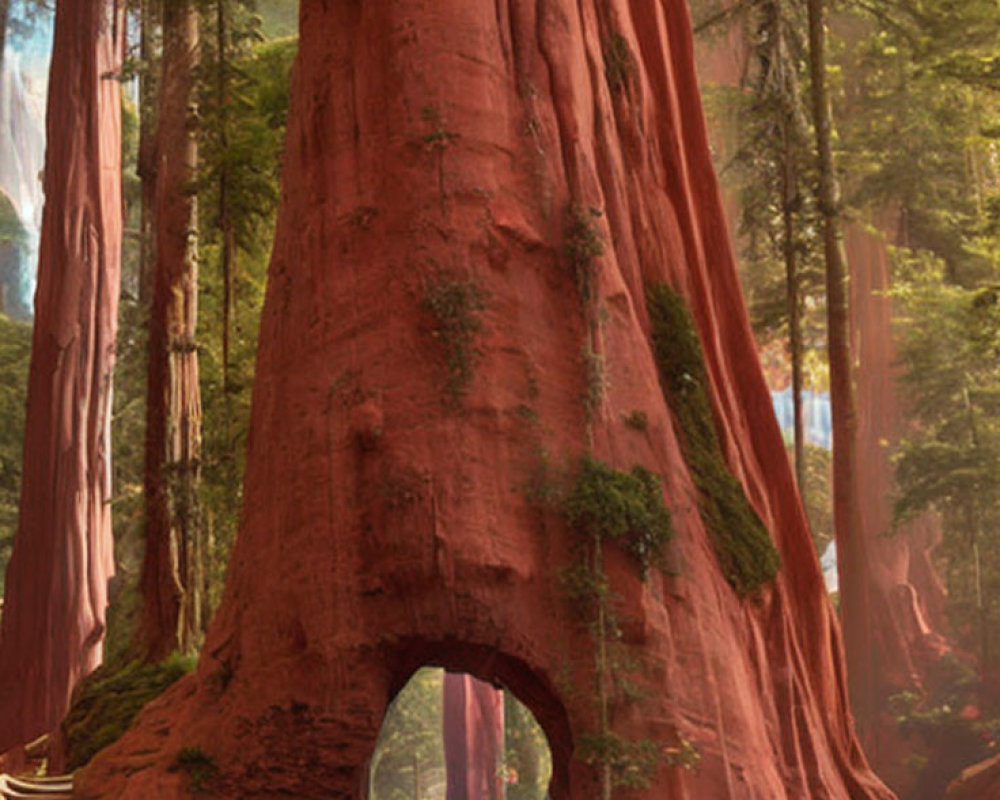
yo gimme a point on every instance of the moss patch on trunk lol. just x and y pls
(747, 556)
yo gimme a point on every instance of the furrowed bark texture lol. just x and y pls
(170, 581)
(386, 525)
(56, 591)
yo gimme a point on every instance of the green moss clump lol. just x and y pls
(199, 765)
(606, 503)
(746, 554)
(583, 245)
(619, 65)
(108, 700)
(636, 420)
(457, 307)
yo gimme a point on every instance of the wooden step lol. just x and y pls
(53, 787)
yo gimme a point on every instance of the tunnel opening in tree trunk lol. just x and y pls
(469, 722)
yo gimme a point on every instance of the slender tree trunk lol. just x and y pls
(790, 102)
(147, 148)
(171, 570)
(974, 526)
(793, 294)
(851, 557)
(225, 222)
(56, 590)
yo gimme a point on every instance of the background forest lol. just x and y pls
(916, 142)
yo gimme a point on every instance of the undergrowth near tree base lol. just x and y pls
(108, 700)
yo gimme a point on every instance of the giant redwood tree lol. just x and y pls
(508, 419)
(171, 567)
(56, 590)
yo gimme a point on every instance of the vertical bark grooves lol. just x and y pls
(384, 528)
(173, 430)
(56, 592)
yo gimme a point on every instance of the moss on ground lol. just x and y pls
(747, 556)
(108, 700)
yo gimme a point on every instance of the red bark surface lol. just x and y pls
(56, 591)
(385, 529)
(473, 735)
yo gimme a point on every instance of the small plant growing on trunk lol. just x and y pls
(456, 305)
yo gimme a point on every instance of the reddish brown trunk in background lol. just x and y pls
(56, 592)
(384, 528)
(472, 733)
(905, 593)
(171, 570)
(852, 566)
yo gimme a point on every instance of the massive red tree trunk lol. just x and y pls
(56, 592)
(171, 568)
(438, 146)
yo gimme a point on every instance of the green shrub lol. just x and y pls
(15, 355)
(747, 556)
(108, 700)
(632, 763)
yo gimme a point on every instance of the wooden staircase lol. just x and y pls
(56, 787)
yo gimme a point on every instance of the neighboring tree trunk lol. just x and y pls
(56, 591)
(852, 564)
(791, 139)
(171, 583)
(903, 591)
